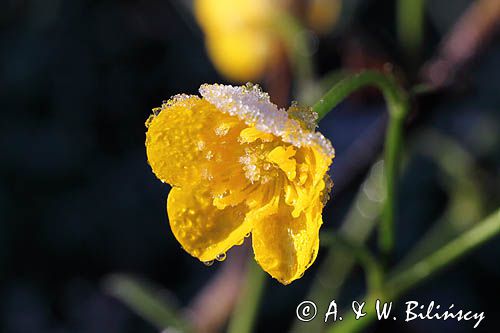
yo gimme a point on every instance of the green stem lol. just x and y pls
(146, 301)
(397, 103)
(400, 283)
(410, 27)
(477, 235)
(295, 38)
(243, 318)
(372, 268)
(393, 94)
(392, 151)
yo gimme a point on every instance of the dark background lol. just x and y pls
(78, 200)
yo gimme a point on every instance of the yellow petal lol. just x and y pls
(203, 230)
(251, 134)
(189, 140)
(284, 159)
(285, 246)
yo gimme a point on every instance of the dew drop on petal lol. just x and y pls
(220, 257)
(208, 263)
(222, 129)
(200, 145)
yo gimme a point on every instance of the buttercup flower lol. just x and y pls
(238, 35)
(239, 165)
(243, 37)
(322, 15)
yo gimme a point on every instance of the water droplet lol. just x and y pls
(156, 111)
(208, 263)
(222, 129)
(220, 257)
(200, 145)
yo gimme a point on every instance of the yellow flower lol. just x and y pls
(238, 35)
(238, 164)
(243, 37)
(322, 15)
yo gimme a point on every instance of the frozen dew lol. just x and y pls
(220, 257)
(305, 115)
(253, 106)
(325, 194)
(200, 145)
(208, 263)
(249, 162)
(209, 155)
(156, 111)
(222, 129)
(206, 174)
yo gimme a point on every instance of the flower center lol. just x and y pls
(256, 165)
(265, 159)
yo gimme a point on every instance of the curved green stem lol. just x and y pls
(397, 103)
(394, 95)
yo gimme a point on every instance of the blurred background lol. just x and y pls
(79, 203)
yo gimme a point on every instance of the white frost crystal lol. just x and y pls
(252, 105)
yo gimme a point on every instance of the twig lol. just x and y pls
(211, 307)
(468, 36)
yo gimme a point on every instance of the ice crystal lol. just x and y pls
(253, 106)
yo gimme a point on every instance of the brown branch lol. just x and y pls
(213, 305)
(465, 40)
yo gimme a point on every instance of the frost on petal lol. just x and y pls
(189, 140)
(253, 106)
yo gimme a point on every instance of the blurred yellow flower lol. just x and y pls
(238, 164)
(323, 14)
(243, 36)
(238, 35)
